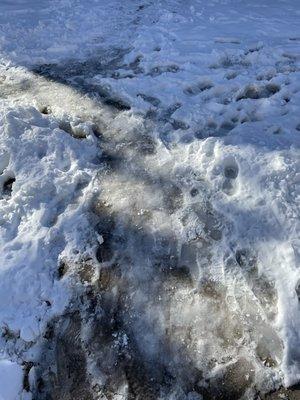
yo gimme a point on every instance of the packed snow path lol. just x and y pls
(149, 226)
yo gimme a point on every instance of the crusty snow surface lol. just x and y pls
(149, 199)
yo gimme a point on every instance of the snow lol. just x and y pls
(11, 376)
(51, 180)
(182, 123)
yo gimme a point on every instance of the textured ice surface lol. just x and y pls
(149, 198)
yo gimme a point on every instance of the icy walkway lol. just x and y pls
(149, 211)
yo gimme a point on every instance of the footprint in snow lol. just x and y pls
(255, 91)
(231, 171)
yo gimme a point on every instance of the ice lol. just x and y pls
(149, 199)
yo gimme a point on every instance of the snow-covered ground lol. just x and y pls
(149, 199)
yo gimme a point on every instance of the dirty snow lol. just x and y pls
(149, 175)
